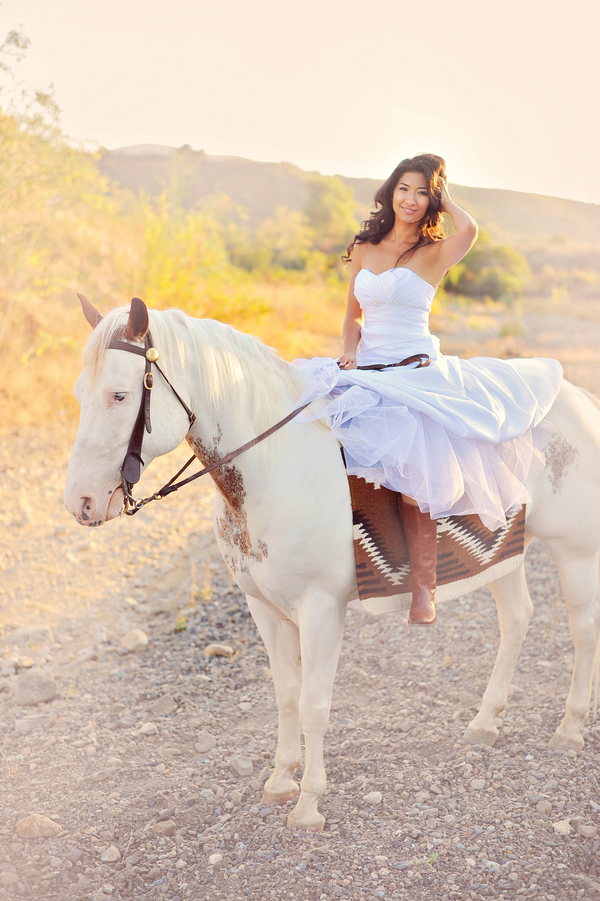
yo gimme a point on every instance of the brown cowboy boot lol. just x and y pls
(421, 538)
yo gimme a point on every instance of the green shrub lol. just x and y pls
(489, 270)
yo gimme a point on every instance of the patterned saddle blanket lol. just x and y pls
(469, 555)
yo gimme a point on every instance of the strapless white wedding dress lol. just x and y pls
(458, 436)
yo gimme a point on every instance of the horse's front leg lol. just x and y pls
(579, 580)
(321, 621)
(282, 641)
(514, 613)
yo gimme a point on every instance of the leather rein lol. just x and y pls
(131, 467)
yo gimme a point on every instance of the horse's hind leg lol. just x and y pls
(514, 613)
(579, 580)
(282, 641)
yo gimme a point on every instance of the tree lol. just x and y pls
(331, 212)
(489, 270)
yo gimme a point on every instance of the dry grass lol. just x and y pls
(304, 320)
(40, 356)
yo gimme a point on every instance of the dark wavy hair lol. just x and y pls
(381, 219)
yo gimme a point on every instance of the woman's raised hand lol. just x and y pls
(347, 361)
(445, 198)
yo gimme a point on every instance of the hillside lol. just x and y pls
(192, 175)
(259, 188)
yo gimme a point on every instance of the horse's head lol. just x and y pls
(109, 391)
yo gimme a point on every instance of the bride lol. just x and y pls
(450, 436)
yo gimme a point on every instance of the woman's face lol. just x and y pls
(411, 197)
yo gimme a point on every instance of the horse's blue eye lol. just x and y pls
(119, 397)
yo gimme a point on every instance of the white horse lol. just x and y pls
(283, 521)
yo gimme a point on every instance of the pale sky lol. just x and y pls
(507, 92)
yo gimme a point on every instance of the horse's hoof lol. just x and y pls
(560, 742)
(280, 797)
(300, 825)
(480, 737)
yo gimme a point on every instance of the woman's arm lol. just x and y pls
(454, 248)
(354, 315)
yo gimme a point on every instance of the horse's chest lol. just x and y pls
(230, 517)
(231, 526)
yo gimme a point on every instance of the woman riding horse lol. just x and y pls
(450, 436)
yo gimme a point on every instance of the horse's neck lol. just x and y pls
(250, 475)
(227, 424)
(214, 437)
(217, 432)
(262, 485)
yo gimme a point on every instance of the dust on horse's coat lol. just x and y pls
(232, 527)
(559, 456)
(290, 495)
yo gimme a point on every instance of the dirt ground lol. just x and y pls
(132, 757)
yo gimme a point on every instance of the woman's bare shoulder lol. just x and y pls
(357, 260)
(358, 251)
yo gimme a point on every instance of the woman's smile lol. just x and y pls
(411, 196)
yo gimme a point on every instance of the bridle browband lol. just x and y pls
(131, 468)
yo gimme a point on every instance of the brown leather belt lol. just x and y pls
(421, 359)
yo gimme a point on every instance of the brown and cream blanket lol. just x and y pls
(469, 555)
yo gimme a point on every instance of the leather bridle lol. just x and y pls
(131, 468)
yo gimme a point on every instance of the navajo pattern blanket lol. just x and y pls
(469, 555)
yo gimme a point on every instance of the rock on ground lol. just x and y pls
(134, 640)
(163, 707)
(205, 742)
(29, 723)
(168, 827)
(26, 635)
(37, 826)
(148, 729)
(31, 688)
(218, 650)
(243, 766)
(563, 827)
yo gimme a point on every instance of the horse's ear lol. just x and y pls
(89, 311)
(137, 324)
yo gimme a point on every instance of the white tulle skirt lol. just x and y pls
(458, 436)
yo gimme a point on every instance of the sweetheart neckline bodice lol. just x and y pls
(395, 269)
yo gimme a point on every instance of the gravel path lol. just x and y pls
(131, 760)
(411, 812)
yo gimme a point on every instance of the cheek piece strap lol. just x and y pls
(131, 468)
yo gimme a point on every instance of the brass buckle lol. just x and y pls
(148, 381)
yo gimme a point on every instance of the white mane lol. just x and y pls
(236, 371)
